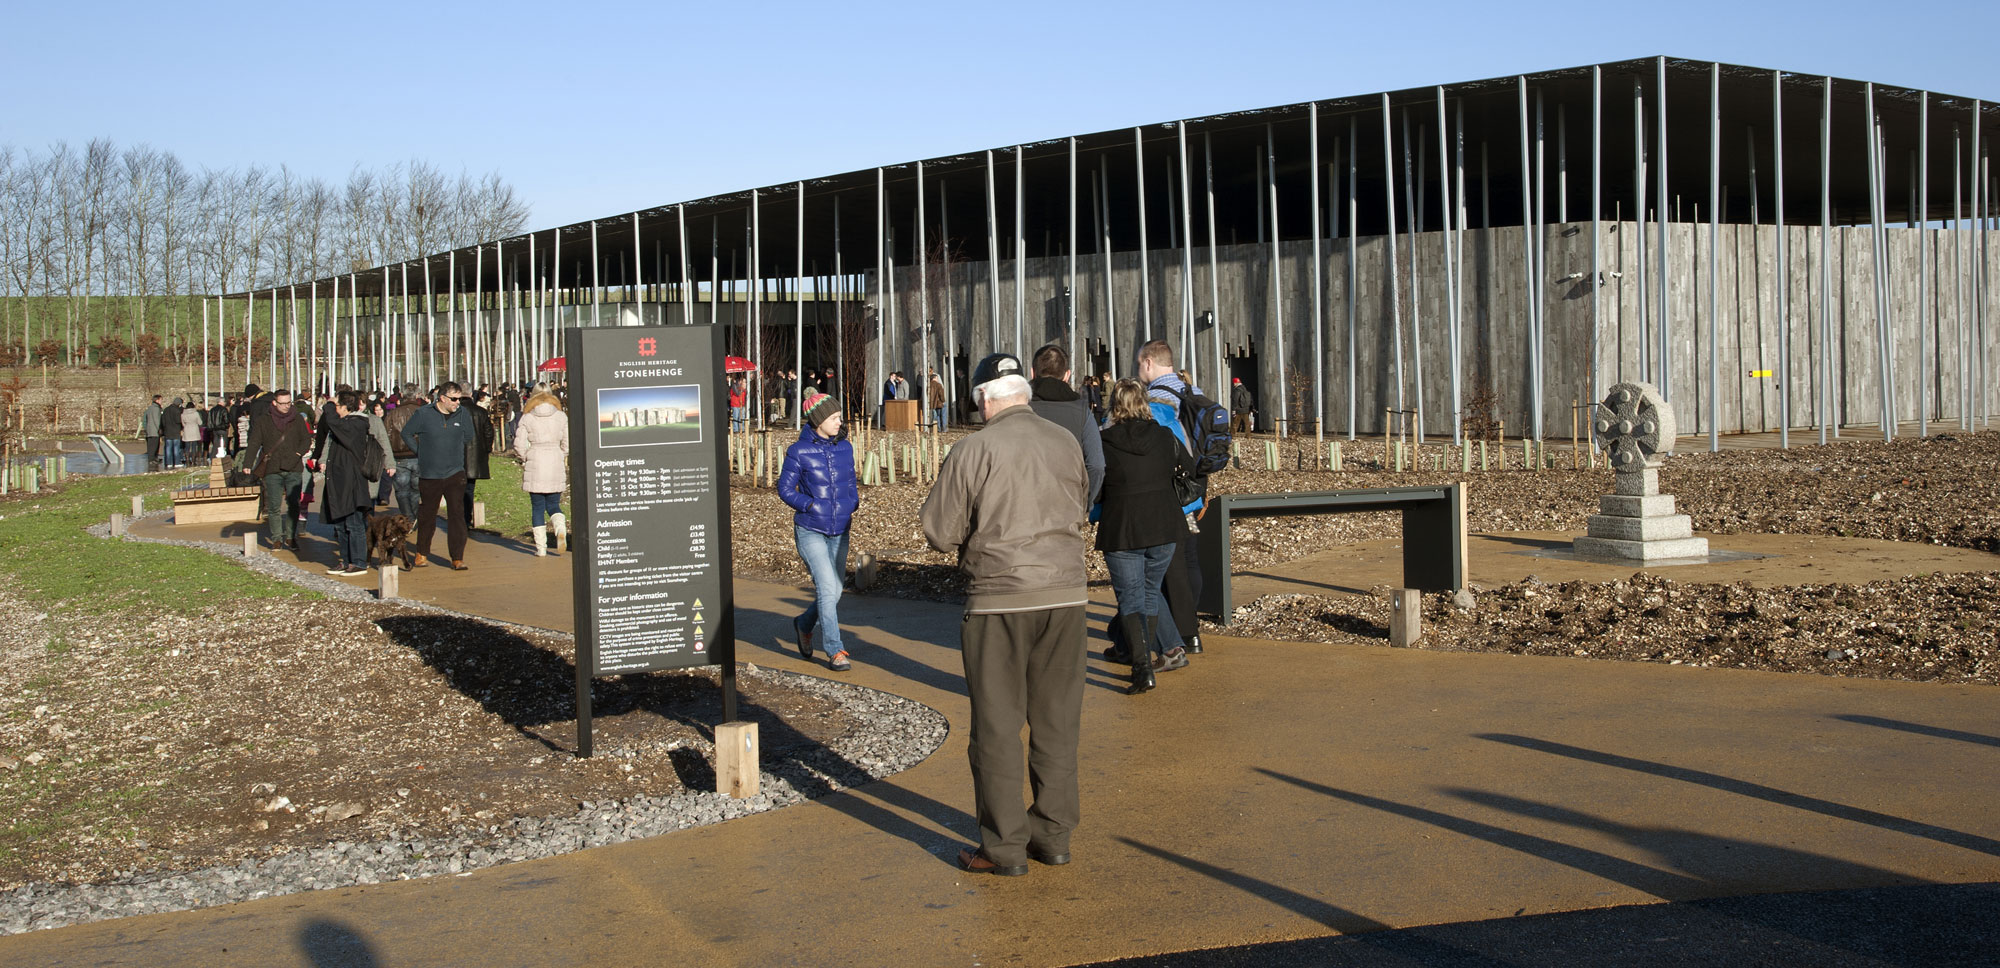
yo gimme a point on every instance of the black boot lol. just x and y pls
(1119, 652)
(1138, 639)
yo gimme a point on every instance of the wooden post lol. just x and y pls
(250, 549)
(736, 759)
(117, 525)
(479, 513)
(388, 580)
(1406, 617)
(138, 505)
(1575, 459)
(1387, 433)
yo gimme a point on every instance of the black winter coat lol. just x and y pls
(479, 451)
(346, 490)
(1140, 509)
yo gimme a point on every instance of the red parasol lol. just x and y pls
(737, 364)
(554, 363)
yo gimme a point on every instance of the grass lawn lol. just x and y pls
(54, 564)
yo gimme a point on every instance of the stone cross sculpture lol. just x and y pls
(1636, 430)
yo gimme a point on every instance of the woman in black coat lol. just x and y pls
(345, 498)
(1137, 530)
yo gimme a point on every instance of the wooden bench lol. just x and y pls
(1434, 543)
(212, 503)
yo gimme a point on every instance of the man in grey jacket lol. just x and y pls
(1058, 403)
(149, 428)
(1009, 501)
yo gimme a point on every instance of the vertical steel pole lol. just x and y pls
(1828, 424)
(755, 294)
(1446, 208)
(1069, 292)
(1528, 273)
(596, 282)
(1597, 234)
(1714, 261)
(1921, 218)
(992, 259)
(204, 340)
(1020, 248)
(1389, 236)
(1318, 312)
(687, 279)
(881, 373)
(1458, 262)
(1353, 273)
(1665, 246)
(799, 314)
(1187, 261)
(475, 356)
(1639, 237)
(1412, 215)
(1277, 291)
(1214, 280)
(1958, 280)
(1875, 216)
(1145, 256)
(1784, 264)
(923, 284)
(1102, 197)
(430, 327)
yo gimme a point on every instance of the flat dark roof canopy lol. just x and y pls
(1231, 149)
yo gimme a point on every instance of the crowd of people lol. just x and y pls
(350, 453)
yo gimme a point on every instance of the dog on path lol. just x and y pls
(390, 533)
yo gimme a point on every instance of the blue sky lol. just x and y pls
(596, 109)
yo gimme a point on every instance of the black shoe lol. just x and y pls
(1193, 645)
(1045, 857)
(1138, 632)
(804, 633)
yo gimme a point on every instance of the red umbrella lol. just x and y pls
(554, 363)
(737, 364)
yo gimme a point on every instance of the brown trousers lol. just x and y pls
(1024, 667)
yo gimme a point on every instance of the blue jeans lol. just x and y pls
(406, 487)
(350, 536)
(540, 506)
(937, 418)
(281, 504)
(1135, 578)
(739, 418)
(825, 556)
(173, 455)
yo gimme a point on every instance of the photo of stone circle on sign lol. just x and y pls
(649, 416)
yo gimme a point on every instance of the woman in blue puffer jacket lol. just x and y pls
(817, 482)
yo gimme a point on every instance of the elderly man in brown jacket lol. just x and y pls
(1009, 501)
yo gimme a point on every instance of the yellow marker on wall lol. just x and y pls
(1760, 373)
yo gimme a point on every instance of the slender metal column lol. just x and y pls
(1784, 264)
(1921, 218)
(1827, 422)
(1960, 330)
(1318, 312)
(755, 291)
(596, 278)
(1597, 236)
(1353, 274)
(799, 311)
(430, 327)
(687, 280)
(1412, 215)
(475, 354)
(1665, 246)
(1714, 244)
(1214, 280)
(1101, 195)
(923, 281)
(1145, 254)
(1528, 266)
(1639, 237)
(272, 369)
(1445, 208)
(1187, 261)
(312, 341)
(1020, 249)
(1458, 256)
(1277, 291)
(1888, 417)
(1069, 292)
(992, 259)
(881, 288)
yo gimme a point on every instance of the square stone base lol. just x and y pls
(1643, 550)
(1665, 527)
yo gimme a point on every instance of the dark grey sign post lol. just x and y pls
(650, 491)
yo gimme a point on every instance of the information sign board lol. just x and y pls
(651, 499)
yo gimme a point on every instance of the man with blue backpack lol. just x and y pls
(1202, 425)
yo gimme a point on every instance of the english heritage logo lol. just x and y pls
(649, 346)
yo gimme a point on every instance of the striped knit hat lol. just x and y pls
(820, 406)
